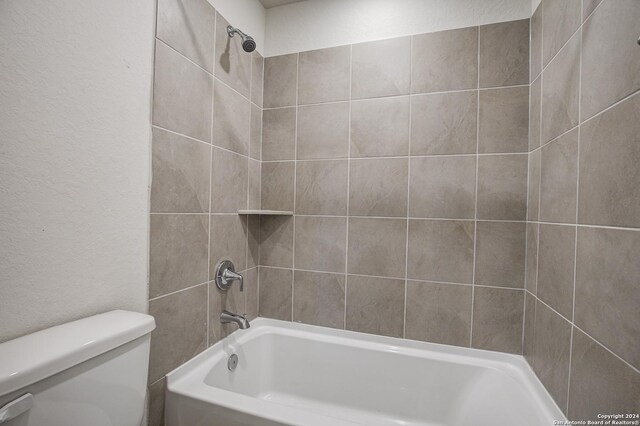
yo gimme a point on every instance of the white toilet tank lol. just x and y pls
(90, 372)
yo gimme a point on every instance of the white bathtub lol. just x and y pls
(294, 374)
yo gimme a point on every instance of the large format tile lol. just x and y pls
(445, 60)
(276, 241)
(279, 134)
(535, 109)
(277, 186)
(251, 293)
(178, 250)
(255, 133)
(318, 299)
(504, 54)
(156, 403)
(275, 293)
(233, 64)
(321, 243)
(257, 78)
(377, 247)
(321, 187)
(181, 174)
(280, 80)
(500, 254)
(497, 319)
(378, 187)
(588, 6)
(324, 75)
(502, 187)
(440, 250)
(444, 123)
(607, 290)
(531, 271)
(559, 179)
(536, 44)
(253, 241)
(323, 131)
(528, 327)
(229, 182)
(219, 300)
(560, 91)
(231, 119)
(504, 120)
(188, 27)
(375, 305)
(439, 313)
(228, 241)
(380, 127)
(443, 187)
(254, 195)
(560, 18)
(181, 95)
(381, 68)
(533, 191)
(555, 267)
(600, 382)
(609, 174)
(181, 330)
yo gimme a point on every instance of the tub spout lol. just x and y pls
(227, 317)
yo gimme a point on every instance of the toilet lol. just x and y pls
(90, 372)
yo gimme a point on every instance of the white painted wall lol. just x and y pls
(248, 15)
(316, 24)
(75, 114)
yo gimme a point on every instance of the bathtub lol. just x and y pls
(295, 374)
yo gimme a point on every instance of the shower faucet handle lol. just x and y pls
(226, 274)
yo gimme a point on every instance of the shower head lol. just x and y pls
(248, 43)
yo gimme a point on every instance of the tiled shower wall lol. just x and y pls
(207, 111)
(405, 161)
(582, 316)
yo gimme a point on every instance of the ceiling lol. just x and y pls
(268, 4)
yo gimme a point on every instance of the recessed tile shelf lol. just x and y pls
(266, 212)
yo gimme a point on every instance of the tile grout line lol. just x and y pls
(401, 157)
(406, 235)
(248, 219)
(346, 249)
(295, 189)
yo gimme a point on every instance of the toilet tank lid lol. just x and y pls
(34, 357)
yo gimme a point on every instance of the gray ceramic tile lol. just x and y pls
(375, 305)
(536, 43)
(609, 157)
(228, 241)
(504, 120)
(177, 252)
(559, 179)
(251, 293)
(500, 254)
(279, 134)
(180, 181)
(321, 187)
(531, 271)
(377, 247)
(324, 75)
(535, 105)
(551, 351)
(600, 382)
(323, 131)
(533, 203)
(381, 68)
(497, 319)
(560, 18)
(528, 329)
(439, 313)
(318, 299)
(253, 241)
(443, 187)
(231, 119)
(321, 243)
(231, 300)
(502, 187)
(588, 6)
(254, 202)
(556, 266)
(276, 241)
(233, 64)
(156, 403)
(181, 95)
(229, 179)
(560, 91)
(504, 54)
(445, 60)
(607, 291)
(257, 78)
(255, 137)
(181, 330)
(444, 123)
(275, 293)
(280, 80)
(188, 26)
(380, 127)
(378, 187)
(440, 250)
(277, 192)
